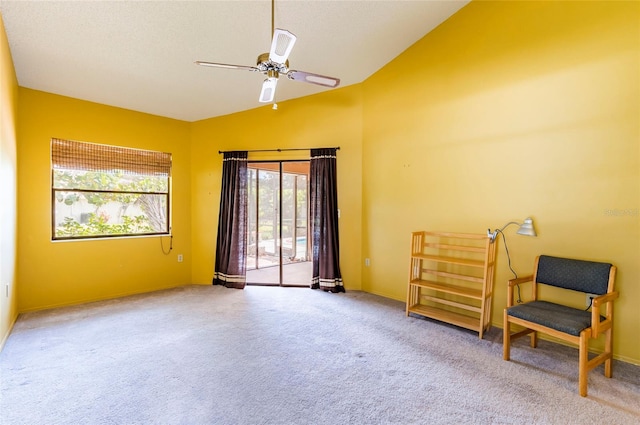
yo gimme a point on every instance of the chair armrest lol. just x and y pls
(603, 299)
(598, 302)
(514, 282)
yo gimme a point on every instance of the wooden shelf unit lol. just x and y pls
(451, 278)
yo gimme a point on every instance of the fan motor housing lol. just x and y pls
(267, 66)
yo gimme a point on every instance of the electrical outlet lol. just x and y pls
(180, 258)
(7, 290)
(589, 298)
(367, 262)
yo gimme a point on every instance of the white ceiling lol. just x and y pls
(140, 55)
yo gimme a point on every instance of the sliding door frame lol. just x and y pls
(280, 219)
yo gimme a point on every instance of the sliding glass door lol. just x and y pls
(278, 247)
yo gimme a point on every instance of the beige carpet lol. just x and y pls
(211, 355)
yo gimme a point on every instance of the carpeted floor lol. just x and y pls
(211, 355)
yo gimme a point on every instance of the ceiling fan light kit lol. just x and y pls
(275, 63)
(268, 90)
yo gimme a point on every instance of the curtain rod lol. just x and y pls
(281, 150)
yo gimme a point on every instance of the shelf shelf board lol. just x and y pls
(449, 289)
(457, 319)
(449, 260)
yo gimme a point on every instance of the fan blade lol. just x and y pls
(307, 77)
(268, 91)
(281, 45)
(227, 66)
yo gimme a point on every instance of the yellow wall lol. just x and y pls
(509, 110)
(8, 200)
(329, 119)
(59, 273)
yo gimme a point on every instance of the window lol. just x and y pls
(105, 191)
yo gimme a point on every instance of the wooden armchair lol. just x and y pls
(566, 323)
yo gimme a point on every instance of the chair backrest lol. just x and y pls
(579, 275)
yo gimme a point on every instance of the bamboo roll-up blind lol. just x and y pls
(69, 154)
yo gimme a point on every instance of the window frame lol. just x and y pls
(162, 168)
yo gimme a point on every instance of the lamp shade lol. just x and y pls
(526, 228)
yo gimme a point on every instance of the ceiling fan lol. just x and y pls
(276, 63)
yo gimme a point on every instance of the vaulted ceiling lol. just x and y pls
(140, 55)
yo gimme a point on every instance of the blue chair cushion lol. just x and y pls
(579, 275)
(555, 316)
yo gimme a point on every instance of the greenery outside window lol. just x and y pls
(105, 191)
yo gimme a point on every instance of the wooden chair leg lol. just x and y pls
(608, 347)
(506, 336)
(582, 364)
(533, 339)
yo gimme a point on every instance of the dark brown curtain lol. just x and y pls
(231, 247)
(324, 221)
